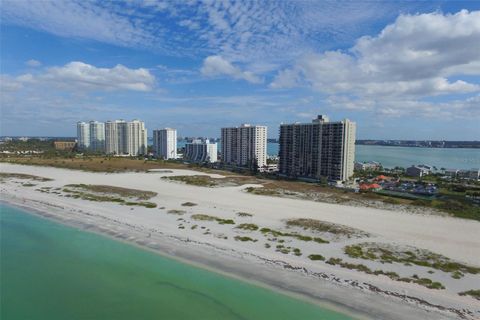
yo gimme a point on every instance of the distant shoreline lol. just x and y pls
(439, 144)
(421, 144)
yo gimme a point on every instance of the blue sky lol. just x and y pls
(401, 70)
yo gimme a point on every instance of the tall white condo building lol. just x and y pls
(97, 136)
(165, 143)
(91, 136)
(245, 145)
(113, 137)
(83, 135)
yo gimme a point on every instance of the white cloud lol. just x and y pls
(87, 76)
(33, 63)
(416, 57)
(80, 76)
(218, 66)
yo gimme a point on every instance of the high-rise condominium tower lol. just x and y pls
(201, 151)
(245, 145)
(117, 137)
(83, 135)
(97, 136)
(112, 137)
(136, 139)
(165, 143)
(316, 150)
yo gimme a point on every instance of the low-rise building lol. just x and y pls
(64, 145)
(472, 174)
(370, 165)
(450, 173)
(417, 171)
(201, 151)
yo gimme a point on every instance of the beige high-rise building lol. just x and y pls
(245, 146)
(111, 137)
(136, 139)
(321, 149)
(125, 138)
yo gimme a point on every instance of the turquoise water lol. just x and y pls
(391, 157)
(51, 271)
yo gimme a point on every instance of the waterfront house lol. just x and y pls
(417, 171)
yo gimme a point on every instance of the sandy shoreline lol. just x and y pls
(363, 295)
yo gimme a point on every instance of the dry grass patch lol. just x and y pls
(119, 191)
(7, 175)
(426, 282)
(276, 233)
(97, 164)
(103, 193)
(244, 214)
(326, 227)
(248, 226)
(386, 253)
(205, 217)
(207, 181)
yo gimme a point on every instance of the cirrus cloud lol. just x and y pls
(218, 66)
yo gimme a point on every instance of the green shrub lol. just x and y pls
(316, 257)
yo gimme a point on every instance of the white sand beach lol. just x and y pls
(260, 259)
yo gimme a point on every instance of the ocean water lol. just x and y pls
(391, 157)
(51, 271)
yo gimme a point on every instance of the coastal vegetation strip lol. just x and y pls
(9, 175)
(315, 257)
(287, 250)
(472, 293)
(123, 192)
(244, 238)
(248, 226)
(426, 282)
(188, 204)
(100, 163)
(207, 181)
(244, 214)
(386, 253)
(104, 193)
(326, 227)
(176, 211)
(205, 217)
(276, 233)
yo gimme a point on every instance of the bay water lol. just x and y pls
(391, 157)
